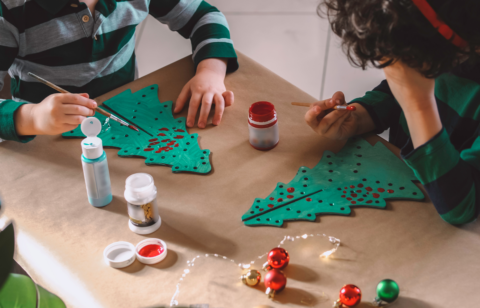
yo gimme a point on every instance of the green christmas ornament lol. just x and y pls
(387, 292)
(162, 139)
(359, 175)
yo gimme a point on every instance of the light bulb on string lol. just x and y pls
(247, 266)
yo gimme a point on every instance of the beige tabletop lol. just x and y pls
(61, 238)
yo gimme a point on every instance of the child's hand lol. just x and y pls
(56, 114)
(333, 124)
(205, 89)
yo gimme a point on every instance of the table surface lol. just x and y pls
(61, 238)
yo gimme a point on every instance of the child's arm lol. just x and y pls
(452, 179)
(213, 55)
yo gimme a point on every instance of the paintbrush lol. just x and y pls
(97, 109)
(337, 107)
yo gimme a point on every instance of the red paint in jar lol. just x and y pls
(152, 250)
(263, 126)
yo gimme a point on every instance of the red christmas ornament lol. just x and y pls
(350, 295)
(278, 258)
(275, 281)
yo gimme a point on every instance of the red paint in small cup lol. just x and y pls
(263, 126)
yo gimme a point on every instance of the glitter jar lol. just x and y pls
(263, 126)
(141, 196)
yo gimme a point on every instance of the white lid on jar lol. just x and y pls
(119, 254)
(140, 188)
(155, 259)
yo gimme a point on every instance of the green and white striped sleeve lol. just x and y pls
(204, 24)
(9, 37)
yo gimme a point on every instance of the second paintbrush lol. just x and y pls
(97, 109)
(337, 107)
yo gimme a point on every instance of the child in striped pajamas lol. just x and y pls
(430, 99)
(89, 47)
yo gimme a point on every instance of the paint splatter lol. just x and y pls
(166, 149)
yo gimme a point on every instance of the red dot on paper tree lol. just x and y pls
(270, 205)
(375, 195)
(381, 190)
(390, 191)
(290, 189)
(360, 185)
(290, 196)
(309, 199)
(369, 189)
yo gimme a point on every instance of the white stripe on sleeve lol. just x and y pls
(178, 17)
(211, 18)
(209, 41)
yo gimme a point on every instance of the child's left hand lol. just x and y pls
(207, 87)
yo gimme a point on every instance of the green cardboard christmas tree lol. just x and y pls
(167, 141)
(359, 175)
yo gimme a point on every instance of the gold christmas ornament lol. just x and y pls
(251, 278)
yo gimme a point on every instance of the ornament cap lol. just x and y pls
(266, 267)
(270, 292)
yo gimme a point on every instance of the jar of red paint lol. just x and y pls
(263, 126)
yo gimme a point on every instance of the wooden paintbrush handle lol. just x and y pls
(301, 104)
(101, 111)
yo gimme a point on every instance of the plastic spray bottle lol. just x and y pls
(95, 166)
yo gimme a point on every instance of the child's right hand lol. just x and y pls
(56, 114)
(331, 123)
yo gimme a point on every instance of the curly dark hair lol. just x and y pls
(372, 30)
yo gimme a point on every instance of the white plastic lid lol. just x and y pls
(119, 254)
(140, 188)
(151, 260)
(91, 127)
(92, 146)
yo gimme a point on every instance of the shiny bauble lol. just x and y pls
(387, 290)
(275, 281)
(251, 278)
(278, 258)
(350, 295)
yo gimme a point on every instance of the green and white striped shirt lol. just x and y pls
(62, 41)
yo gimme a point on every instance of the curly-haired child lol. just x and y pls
(430, 100)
